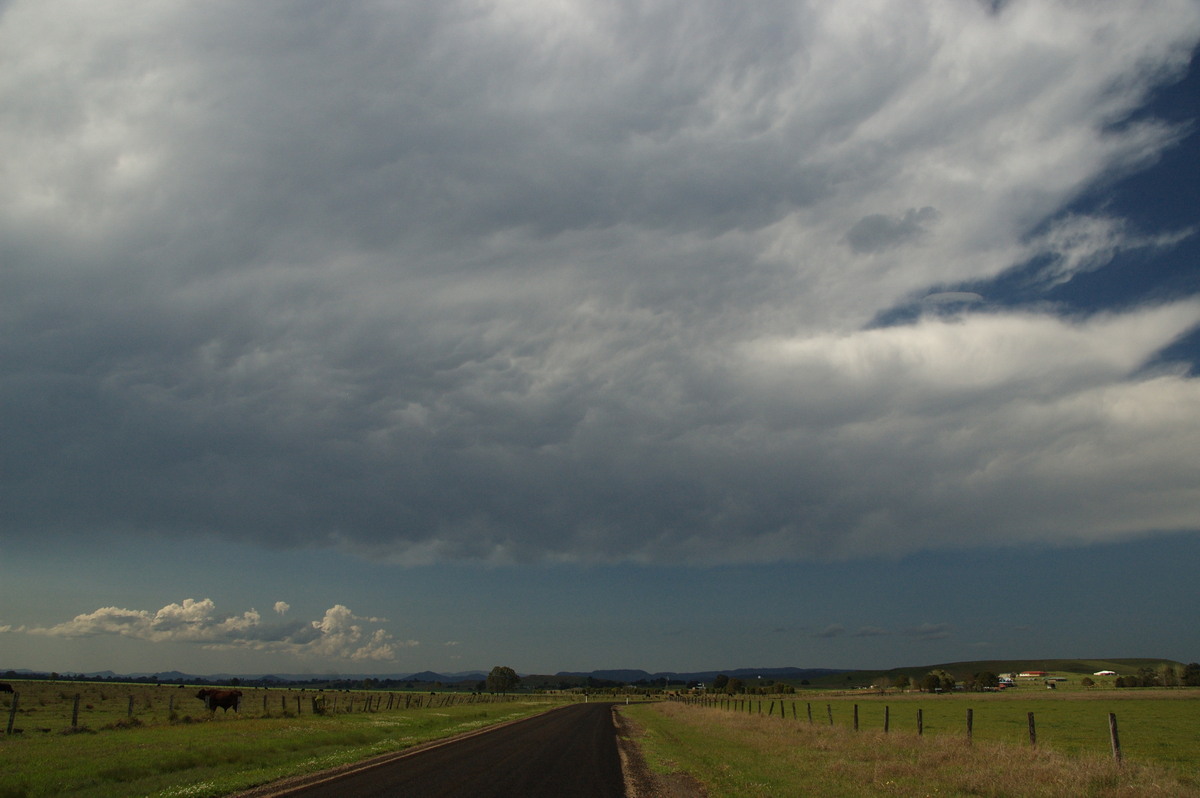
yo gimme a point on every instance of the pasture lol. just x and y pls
(734, 750)
(171, 746)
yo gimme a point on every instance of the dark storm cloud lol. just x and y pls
(571, 281)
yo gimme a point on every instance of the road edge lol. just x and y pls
(282, 787)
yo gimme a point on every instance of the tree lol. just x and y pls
(502, 679)
(720, 682)
(1147, 677)
(937, 679)
(735, 686)
(986, 679)
(1191, 674)
(903, 682)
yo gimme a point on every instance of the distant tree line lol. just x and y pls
(1163, 676)
(732, 685)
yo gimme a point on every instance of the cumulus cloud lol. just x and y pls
(338, 635)
(577, 282)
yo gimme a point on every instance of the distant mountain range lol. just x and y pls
(628, 676)
(631, 676)
(826, 677)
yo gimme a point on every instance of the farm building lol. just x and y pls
(1105, 673)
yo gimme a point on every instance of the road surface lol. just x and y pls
(566, 753)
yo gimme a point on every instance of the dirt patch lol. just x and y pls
(640, 781)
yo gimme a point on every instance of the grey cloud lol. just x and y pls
(930, 631)
(871, 631)
(831, 631)
(878, 232)
(952, 298)
(443, 282)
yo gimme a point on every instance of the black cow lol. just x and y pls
(225, 699)
(5, 687)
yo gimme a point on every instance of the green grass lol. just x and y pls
(110, 755)
(740, 754)
(1156, 726)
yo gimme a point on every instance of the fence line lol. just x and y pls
(724, 703)
(46, 706)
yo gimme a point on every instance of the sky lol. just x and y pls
(680, 335)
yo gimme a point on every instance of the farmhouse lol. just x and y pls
(1032, 674)
(1105, 673)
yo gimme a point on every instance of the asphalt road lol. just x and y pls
(566, 753)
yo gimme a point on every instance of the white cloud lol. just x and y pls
(1077, 244)
(282, 607)
(338, 635)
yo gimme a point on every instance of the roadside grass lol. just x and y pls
(225, 754)
(742, 754)
(1160, 726)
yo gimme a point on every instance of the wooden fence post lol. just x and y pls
(1116, 739)
(1032, 731)
(886, 718)
(856, 717)
(809, 705)
(129, 712)
(771, 709)
(12, 711)
(970, 723)
(75, 712)
(829, 709)
(920, 722)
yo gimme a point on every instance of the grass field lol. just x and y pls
(743, 753)
(111, 754)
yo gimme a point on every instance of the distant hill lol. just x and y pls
(964, 670)
(814, 677)
(635, 676)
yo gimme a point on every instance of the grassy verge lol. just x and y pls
(223, 755)
(743, 754)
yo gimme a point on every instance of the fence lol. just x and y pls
(750, 705)
(72, 706)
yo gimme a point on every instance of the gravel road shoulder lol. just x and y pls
(640, 780)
